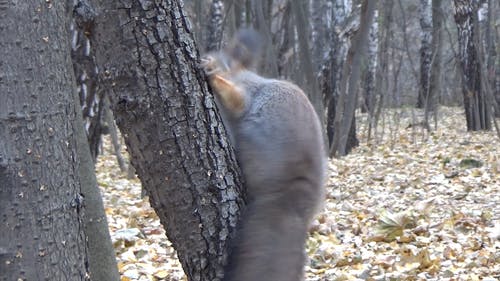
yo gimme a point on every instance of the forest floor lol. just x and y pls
(406, 205)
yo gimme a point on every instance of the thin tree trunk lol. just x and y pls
(331, 73)
(101, 259)
(115, 138)
(382, 72)
(306, 64)
(319, 33)
(425, 53)
(175, 137)
(86, 72)
(346, 106)
(41, 202)
(437, 51)
(369, 91)
(216, 25)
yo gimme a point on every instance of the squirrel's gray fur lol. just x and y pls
(279, 146)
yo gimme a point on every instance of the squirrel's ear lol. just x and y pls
(245, 47)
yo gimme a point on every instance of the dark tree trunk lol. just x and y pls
(85, 68)
(285, 42)
(175, 137)
(320, 36)
(215, 28)
(491, 52)
(102, 259)
(331, 70)
(382, 71)
(369, 82)
(477, 111)
(344, 112)
(41, 206)
(309, 83)
(425, 53)
(437, 51)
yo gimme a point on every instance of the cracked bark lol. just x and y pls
(171, 127)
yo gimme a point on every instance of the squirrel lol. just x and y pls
(279, 146)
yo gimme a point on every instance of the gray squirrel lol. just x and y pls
(279, 146)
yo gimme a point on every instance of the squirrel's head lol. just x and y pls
(245, 48)
(242, 52)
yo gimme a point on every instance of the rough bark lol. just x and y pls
(175, 137)
(41, 206)
(477, 112)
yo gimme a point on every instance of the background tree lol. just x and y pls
(436, 58)
(371, 69)
(86, 72)
(425, 53)
(41, 202)
(477, 111)
(215, 28)
(174, 135)
(345, 21)
(344, 112)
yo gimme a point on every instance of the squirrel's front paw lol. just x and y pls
(209, 65)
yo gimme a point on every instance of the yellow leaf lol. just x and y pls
(162, 274)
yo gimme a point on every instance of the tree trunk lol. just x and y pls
(437, 51)
(175, 137)
(320, 37)
(490, 41)
(369, 91)
(309, 83)
(86, 72)
(425, 53)
(331, 73)
(102, 259)
(215, 28)
(382, 71)
(344, 115)
(262, 23)
(41, 206)
(477, 111)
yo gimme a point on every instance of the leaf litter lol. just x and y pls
(407, 204)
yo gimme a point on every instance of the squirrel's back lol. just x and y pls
(279, 145)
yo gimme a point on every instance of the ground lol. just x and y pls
(405, 205)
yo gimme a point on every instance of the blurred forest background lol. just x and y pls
(369, 55)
